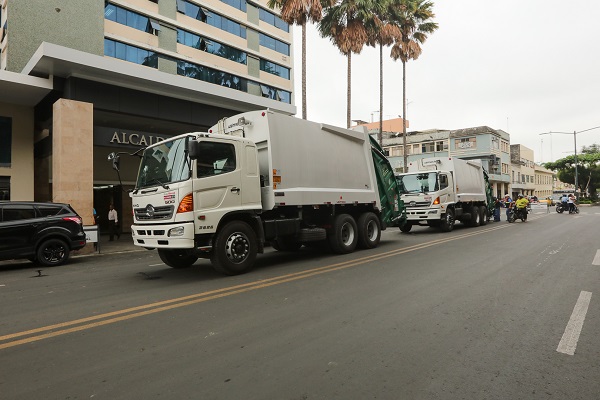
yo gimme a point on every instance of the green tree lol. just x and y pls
(298, 12)
(588, 169)
(346, 24)
(415, 20)
(384, 32)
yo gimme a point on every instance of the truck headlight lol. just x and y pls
(176, 231)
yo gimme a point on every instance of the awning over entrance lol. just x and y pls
(22, 89)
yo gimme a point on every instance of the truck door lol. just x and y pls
(218, 189)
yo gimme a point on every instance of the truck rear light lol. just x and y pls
(186, 204)
(74, 219)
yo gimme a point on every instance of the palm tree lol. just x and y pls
(384, 32)
(346, 23)
(415, 20)
(298, 12)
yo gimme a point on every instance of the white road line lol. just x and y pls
(568, 343)
(156, 265)
(597, 258)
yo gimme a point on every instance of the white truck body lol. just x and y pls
(438, 191)
(260, 177)
(307, 162)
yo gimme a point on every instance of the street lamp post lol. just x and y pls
(574, 133)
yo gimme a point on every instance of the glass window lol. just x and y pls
(216, 48)
(239, 4)
(128, 18)
(4, 187)
(5, 141)
(215, 159)
(17, 212)
(466, 143)
(49, 211)
(274, 69)
(274, 44)
(129, 53)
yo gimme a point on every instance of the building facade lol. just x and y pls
(83, 78)
(523, 170)
(544, 182)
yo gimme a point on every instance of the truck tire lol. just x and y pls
(52, 252)
(369, 230)
(177, 258)
(343, 236)
(406, 227)
(475, 217)
(234, 249)
(484, 216)
(447, 222)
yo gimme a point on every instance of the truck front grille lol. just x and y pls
(410, 204)
(150, 213)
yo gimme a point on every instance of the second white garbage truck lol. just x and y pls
(439, 191)
(257, 178)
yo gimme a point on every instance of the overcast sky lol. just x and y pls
(523, 66)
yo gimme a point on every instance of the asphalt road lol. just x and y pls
(504, 311)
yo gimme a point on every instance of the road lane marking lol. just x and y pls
(569, 339)
(152, 308)
(597, 258)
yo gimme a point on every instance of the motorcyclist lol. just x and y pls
(521, 205)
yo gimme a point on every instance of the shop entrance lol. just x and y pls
(104, 195)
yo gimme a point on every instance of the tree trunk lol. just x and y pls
(304, 70)
(380, 135)
(349, 104)
(404, 116)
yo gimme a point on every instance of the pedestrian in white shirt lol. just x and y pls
(113, 222)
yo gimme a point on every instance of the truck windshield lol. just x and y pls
(418, 183)
(164, 163)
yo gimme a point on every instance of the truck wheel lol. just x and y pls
(406, 227)
(369, 230)
(484, 216)
(52, 252)
(475, 217)
(177, 258)
(343, 235)
(234, 249)
(447, 223)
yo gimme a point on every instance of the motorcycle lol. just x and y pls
(562, 207)
(515, 213)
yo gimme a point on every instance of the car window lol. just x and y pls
(15, 213)
(49, 211)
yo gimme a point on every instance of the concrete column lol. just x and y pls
(73, 156)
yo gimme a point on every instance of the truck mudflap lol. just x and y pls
(392, 207)
(171, 236)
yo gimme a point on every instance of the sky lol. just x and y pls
(523, 66)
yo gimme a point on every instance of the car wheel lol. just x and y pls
(52, 252)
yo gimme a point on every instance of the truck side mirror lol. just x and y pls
(193, 149)
(115, 160)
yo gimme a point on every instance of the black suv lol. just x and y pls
(41, 232)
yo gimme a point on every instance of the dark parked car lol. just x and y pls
(41, 232)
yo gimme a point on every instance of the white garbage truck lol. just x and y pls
(439, 191)
(261, 178)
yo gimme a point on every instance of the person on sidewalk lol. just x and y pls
(113, 221)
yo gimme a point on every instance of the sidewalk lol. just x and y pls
(123, 244)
